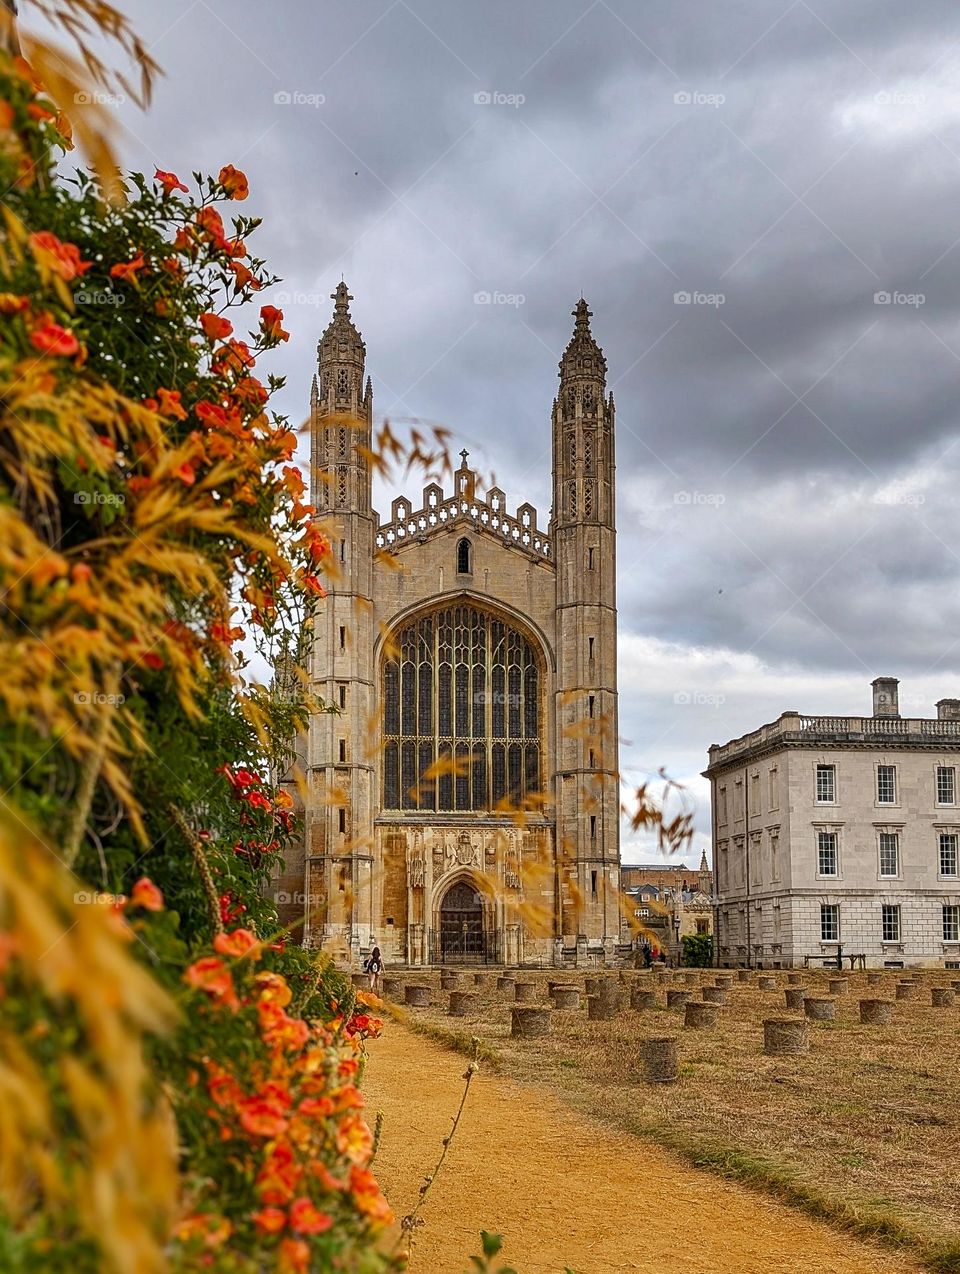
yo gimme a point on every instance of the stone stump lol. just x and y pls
(698, 1015)
(795, 979)
(838, 986)
(592, 986)
(677, 999)
(714, 994)
(392, 987)
(658, 966)
(602, 1008)
(941, 997)
(480, 979)
(956, 985)
(463, 1003)
(659, 1056)
(743, 975)
(525, 992)
(783, 1036)
(795, 996)
(820, 1009)
(724, 981)
(641, 998)
(874, 979)
(417, 995)
(505, 982)
(659, 975)
(766, 983)
(449, 981)
(906, 991)
(876, 1012)
(566, 997)
(360, 980)
(529, 1023)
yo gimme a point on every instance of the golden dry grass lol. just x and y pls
(864, 1129)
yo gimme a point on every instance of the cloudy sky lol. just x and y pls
(760, 201)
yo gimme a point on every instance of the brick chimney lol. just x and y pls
(885, 697)
(948, 709)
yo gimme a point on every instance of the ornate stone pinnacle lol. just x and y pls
(341, 298)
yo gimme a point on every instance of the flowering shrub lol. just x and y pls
(177, 1082)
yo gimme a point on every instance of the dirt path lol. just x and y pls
(568, 1192)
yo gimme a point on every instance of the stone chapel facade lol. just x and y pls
(471, 654)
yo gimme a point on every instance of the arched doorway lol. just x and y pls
(461, 923)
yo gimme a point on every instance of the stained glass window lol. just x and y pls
(460, 687)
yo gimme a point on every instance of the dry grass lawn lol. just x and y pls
(865, 1128)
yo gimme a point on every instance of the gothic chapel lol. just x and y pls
(476, 641)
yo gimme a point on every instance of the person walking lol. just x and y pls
(375, 968)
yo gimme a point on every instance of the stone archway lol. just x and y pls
(462, 930)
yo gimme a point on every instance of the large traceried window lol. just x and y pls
(462, 693)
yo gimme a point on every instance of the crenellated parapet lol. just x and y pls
(464, 510)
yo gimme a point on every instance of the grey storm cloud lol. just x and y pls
(761, 202)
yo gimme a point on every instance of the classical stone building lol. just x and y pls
(471, 654)
(839, 832)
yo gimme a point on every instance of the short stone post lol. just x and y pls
(956, 985)
(529, 1023)
(417, 995)
(743, 975)
(874, 979)
(566, 997)
(941, 997)
(906, 991)
(592, 986)
(525, 992)
(449, 981)
(837, 986)
(714, 994)
(698, 1015)
(480, 979)
(659, 1059)
(360, 980)
(795, 996)
(783, 1036)
(795, 979)
(641, 998)
(602, 1008)
(392, 987)
(691, 979)
(820, 1009)
(876, 1012)
(659, 975)
(506, 982)
(463, 1003)
(724, 981)
(766, 983)
(677, 999)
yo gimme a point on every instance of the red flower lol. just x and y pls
(270, 1220)
(186, 474)
(234, 182)
(307, 1219)
(211, 224)
(294, 1257)
(127, 269)
(265, 1114)
(238, 943)
(271, 320)
(215, 328)
(245, 277)
(153, 660)
(212, 976)
(170, 404)
(257, 800)
(54, 339)
(62, 258)
(170, 182)
(145, 894)
(10, 303)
